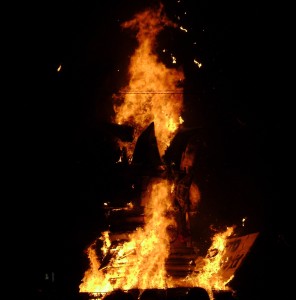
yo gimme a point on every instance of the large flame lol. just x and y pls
(139, 262)
(152, 95)
(154, 92)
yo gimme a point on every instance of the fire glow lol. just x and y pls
(154, 95)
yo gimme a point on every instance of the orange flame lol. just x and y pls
(207, 271)
(140, 261)
(153, 92)
(152, 95)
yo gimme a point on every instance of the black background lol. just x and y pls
(240, 99)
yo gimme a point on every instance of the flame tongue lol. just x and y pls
(152, 93)
(151, 243)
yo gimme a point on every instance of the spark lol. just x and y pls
(174, 59)
(184, 29)
(197, 63)
(59, 68)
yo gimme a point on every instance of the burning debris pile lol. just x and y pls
(148, 244)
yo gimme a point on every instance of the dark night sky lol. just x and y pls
(239, 99)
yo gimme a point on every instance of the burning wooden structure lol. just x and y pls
(147, 245)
